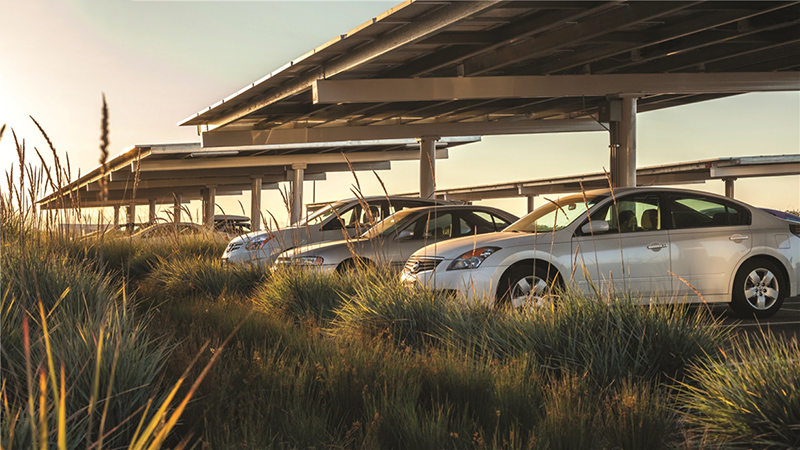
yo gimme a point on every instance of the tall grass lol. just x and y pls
(81, 368)
(748, 398)
(302, 295)
(183, 276)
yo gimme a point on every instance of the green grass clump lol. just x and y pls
(182, 276)
(382, 307)
(301, 294)
(749, 398)
(610, 339)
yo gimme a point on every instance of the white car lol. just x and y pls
(395, 238)
(660, 244)
(338, 220)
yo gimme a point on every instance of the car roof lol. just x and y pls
(457, 207)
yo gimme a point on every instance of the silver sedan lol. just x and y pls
(394, 239)
(662, 245)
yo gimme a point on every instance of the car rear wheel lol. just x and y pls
(758, 289)
(527, 286)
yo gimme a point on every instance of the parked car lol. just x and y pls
(232, 225)
(395, 238)
(338, 220)
(114, 231)
(661, 244)
(169, 229)
(783, 215)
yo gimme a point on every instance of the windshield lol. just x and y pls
(321, 214)
(555, 215)
(390, 225)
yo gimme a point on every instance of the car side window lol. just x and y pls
(702, 212)
(432, 227)
(347, 219)
(439, 227)
(480, 222)
(630, 214)
(399, 205)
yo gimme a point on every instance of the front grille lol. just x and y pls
(417, 265)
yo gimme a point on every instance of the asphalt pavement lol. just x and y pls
(786, 322)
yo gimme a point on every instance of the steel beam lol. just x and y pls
(281, 160)
(293, 136)
(494, 87)
(756, 170)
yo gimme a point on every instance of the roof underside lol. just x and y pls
(426, 39)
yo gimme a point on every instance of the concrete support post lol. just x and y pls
(298, 172)
(530, 202)
(116, 216)
(151, 214)
(427, 166)
(176, 207)
(209, 202)
(130, 212)
(623, 145)
(255, 204)
(729, 187)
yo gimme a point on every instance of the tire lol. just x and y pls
(526, 286)
(758, 289)
(353, 265)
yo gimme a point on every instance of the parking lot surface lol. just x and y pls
(786, 322)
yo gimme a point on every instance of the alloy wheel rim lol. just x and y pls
(761, 289)
(529, 291)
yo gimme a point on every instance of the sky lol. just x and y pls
(159, 62)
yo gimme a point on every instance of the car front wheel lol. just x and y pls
(526, 286)
(758, 289)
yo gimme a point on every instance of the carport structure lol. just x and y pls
(433, 69)
(727, 170)
(178, 173)
(430, 71)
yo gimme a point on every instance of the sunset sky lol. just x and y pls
(158, 62)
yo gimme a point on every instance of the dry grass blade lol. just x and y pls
(104, 151)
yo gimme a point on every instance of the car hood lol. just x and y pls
(320, 248)
(454, 248)
(288, 237)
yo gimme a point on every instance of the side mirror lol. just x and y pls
(595, 227)
(403, 235)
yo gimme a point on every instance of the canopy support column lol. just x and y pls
(116, 215)
(298, 171)
(151, 214)
(176, 207)
(729, 187)
(130, 212)
(623, 143)
(255, 204)
(530, 202)
(209, 201)
(427, 166)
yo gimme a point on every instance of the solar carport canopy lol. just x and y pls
(446, 68)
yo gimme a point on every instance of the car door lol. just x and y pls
(632, 256)
(430, 227)
(708, 237)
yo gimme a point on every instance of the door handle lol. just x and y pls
(738, 237)
(656, 246)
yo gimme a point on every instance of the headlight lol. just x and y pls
(472, 259)
(258, 242)
(308, 260)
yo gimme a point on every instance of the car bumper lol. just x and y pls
(475, 285)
